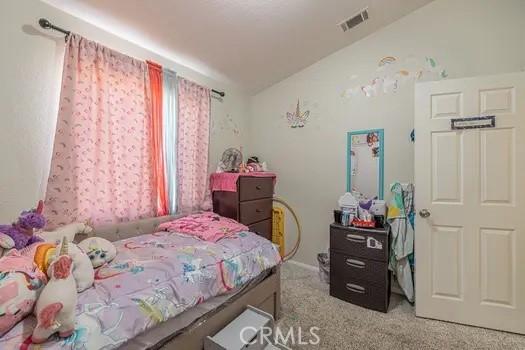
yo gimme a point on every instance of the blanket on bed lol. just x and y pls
(207, 226)
(153, 278)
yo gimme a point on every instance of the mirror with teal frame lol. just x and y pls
(365, 162)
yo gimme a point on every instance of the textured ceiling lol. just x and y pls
(252, 43)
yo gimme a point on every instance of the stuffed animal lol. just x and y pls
(6, 243)
(99, 250)
(20, 285)
(83, 270)
(253, 165)
(55, 308)
(69, 231)
(22, 231)
(43, 254)
(82, 267)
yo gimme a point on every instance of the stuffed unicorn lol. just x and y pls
(83, 269)
(44, 253)
(22, 232)
(21, 282)
(55, 308)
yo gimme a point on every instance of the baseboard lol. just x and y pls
(303, 265)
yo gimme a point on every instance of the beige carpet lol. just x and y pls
(306, 303)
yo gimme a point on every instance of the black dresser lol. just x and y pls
(359, 266)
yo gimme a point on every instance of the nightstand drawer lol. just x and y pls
(346, 266)
(263, 228)
(255, 211)
(369, 244)
(251, 188)
(361, 293)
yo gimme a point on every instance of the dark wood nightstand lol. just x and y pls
(251, 205)
(359, 266)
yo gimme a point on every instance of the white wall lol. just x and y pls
(467, 37)
(30, 73)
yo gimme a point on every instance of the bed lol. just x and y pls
(166, 290)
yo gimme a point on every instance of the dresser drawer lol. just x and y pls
(346, 266)
(255, 211)
(251, 188)
(361, 293)
(262, 228)
(368, 244)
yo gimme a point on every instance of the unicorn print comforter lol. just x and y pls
(153, 278)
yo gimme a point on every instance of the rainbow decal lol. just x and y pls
(386, 60)
(390, 77)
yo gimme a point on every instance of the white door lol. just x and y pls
(470, 250)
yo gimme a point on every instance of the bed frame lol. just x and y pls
(265, 295)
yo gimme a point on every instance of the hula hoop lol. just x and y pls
(291, 253)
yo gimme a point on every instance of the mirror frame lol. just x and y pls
(381, 133)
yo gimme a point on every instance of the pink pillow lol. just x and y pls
(207, 226)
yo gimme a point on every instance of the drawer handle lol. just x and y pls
(355, 238)
(355, 263)
(355, 288)
(257, 187)
(258, 210)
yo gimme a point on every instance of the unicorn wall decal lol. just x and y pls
(297, 119)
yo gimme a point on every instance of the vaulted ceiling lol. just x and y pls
(252, 43)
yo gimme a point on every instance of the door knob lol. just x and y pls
(424, 213)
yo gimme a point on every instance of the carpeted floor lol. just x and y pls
(306, 303)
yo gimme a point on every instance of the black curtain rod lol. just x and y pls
(220, 93)
(44, 23)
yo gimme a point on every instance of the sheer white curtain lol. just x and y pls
(170, 135)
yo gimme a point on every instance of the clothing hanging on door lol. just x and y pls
(401, 217)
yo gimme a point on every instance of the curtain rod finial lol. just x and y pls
(220, 93)
(44, 23)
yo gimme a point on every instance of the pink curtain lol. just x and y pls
(101, 168)
(192, 148)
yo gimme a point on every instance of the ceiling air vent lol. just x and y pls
(352, 22)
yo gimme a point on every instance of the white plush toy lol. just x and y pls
(68, 231)
(99, 250)
(89, 254)
(83, 271)
(55, 308)
(82, 267)
(6, 243)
